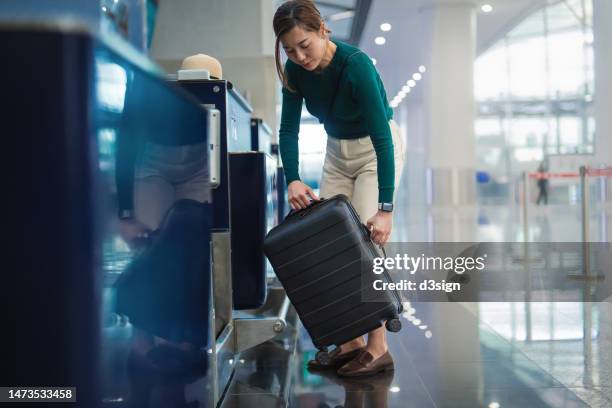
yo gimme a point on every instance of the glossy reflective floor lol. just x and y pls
(444, 357)
(494, 354)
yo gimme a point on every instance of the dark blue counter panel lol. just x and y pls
(254, 213)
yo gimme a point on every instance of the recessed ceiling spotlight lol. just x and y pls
(380, 40)
(412, 83)
(385, 27)
(422, 69)
(486, 8)
(374, 61)
(416, 76)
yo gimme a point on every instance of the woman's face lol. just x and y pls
(305, 48)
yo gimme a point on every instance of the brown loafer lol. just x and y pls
(365, 364)
(336, 359)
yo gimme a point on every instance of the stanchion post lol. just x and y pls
(585, 273)
(525, 204)
(584, 192)
(525, 213)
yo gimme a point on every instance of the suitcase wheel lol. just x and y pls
(394, 325)
(323, 357)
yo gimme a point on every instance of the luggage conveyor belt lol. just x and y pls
(237, 331)
(264, 375)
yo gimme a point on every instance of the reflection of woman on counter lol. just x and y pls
(157, 163)
(161, 158)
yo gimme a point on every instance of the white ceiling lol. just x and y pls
(403, 52)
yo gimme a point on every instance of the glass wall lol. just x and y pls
(534, 90)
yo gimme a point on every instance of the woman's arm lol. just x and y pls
(367, 92)
(298, 193)
(288, 134)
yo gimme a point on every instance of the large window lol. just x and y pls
(534, 89)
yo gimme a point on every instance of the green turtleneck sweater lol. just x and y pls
(360, 109)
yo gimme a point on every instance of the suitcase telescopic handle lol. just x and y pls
(304, 211)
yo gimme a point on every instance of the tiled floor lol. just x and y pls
(463, 363)
(487, 354)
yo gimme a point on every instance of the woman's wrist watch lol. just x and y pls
(386, 207)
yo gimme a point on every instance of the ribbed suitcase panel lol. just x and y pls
(297, 229)
(313, 250)
(333, 310)
(318, 296)
(335, 263)
(368, 316)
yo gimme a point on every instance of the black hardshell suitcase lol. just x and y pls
(318, 254)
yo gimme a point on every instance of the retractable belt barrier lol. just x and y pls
(584, 173)
(586, 274)
(541, 175)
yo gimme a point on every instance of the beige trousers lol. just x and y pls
(350, 169)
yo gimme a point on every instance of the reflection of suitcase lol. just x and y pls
(318, 254)
(165, 290)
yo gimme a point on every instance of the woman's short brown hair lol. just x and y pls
(290, 14)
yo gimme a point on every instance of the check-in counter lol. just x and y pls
(246, 314)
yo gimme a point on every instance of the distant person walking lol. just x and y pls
(542, 184)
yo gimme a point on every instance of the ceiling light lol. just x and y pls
(343, 15)
(405, 88)
(494, 404)
(416, 76)
(411, 83)
(374, 61)
(380, 40)
(486, 8)
(394, 389)
(422, 69)
(385, 27)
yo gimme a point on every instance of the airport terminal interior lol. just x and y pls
(120, 141)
